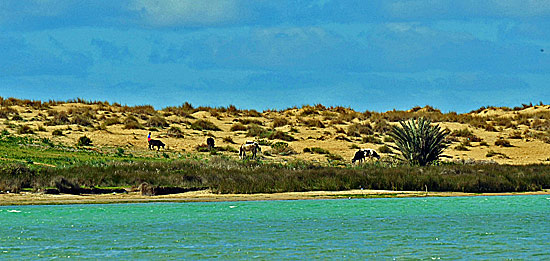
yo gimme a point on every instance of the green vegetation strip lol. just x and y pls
(89, 169)
(223, 175)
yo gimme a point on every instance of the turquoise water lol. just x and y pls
(404, 228)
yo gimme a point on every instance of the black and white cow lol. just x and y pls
(362, 154)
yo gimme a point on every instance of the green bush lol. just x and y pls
(419, 142)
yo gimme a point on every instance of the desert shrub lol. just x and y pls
(384, 149)
(282, 148)
(522, 119)
(132, 122)
(248, 121)
(318, 150)
(251, 113)
(342, 137)
(492, 153)
(111, 121)
(280, 122)
(354, 147)
(371, 139)
(182, 111)
(6, 111)
(156, 121)
(314, 123)
(175, 132)
(461, 147)
(214, 113)
(228, 139)
(228, 149)
(84, 141)
(238, 127)
(490, 127)
(465, 133)
(57, 133)
(328, 115)
(25, 129)
(139, 109)
(388, 139)
(202, 148)
(334, 157)
(382, 126)
(204, 125)
(483, 143)
(503, 143)
(16, 117)
(357, 129)
(540, 125)
(256, 131)
(279, 135)
(41, 128)
(504, 121)
(82, 120)
(462, 133)
(59, 118)
(308, 110)
(515, 135)
(419, 142)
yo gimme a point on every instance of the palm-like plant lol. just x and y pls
(419, 142)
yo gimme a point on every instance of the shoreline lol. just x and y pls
(27, 198)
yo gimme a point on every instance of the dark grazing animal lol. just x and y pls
(252, 146)
(210, 143)
(155, 143)
(362, 154)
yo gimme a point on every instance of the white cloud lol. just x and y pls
(187, 12)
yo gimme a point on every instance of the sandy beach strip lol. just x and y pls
(27, 198)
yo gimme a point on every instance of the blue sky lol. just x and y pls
(263, 54)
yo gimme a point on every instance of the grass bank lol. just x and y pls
(39, 163)
(224, 175)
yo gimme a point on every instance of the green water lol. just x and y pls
(405, 228)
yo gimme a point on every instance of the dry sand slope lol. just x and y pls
(337, 130)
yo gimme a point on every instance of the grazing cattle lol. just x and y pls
(251, 146)
(362, 154)
(210, 143)
(155, 143)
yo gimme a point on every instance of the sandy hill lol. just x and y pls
(317, 133)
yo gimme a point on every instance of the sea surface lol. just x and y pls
(497, 227)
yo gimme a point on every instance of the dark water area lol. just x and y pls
(399, 228)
